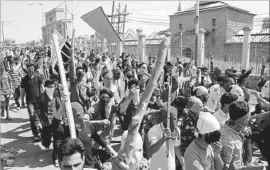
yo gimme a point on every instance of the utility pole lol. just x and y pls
(118, 20)
(124, 23)
(112, 12)
(119, 15)
(2, 23)
(65, 23)
(197, 26)
(0, 26)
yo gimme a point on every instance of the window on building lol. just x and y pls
(213, 22)
(180, 27)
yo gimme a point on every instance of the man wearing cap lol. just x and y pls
(188, 125)
(204, 152)
(158, 135)
(32, 85)
(233, 134)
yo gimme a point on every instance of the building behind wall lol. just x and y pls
(55, 19)
(220, 21)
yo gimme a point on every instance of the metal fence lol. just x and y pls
(225, 55)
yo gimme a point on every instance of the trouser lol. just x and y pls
(89, 160)
(60, 132)
(17, 96)
(5, 105)
(34, 116)
(46, 136)
(100, 156)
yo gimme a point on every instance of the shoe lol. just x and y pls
(9, 118)
(37, 139)
(56, 163)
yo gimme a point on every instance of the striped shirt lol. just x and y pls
(15, 77)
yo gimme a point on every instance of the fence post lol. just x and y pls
(201, 47)
(142, 48)
(119, 48)
(104, 45)
(139, 32)
(246, 49)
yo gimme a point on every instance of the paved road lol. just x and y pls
(17, 134)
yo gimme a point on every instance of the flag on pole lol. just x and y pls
(61, 41)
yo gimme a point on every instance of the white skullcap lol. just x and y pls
(201, 90)
(236, 90)
(207, 123)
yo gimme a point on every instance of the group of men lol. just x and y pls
(210, 113)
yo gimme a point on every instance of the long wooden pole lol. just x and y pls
(65, 87)
(168, 112)
(72, 64)
(197, 26)
(134, 126)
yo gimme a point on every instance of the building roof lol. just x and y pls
(54, 10)
(130, 35)
(209, 5)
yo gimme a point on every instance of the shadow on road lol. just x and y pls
(32, 154)
(14, 120)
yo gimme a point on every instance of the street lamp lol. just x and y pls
(41, 11)
(2, 23)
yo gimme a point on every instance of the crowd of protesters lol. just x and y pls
(210, 115)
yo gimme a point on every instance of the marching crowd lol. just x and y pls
(210, 116)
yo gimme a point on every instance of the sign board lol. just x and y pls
(98, 20)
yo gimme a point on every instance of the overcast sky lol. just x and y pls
(26, 20)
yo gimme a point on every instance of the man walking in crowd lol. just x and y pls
(5, 92)
(33, 85)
